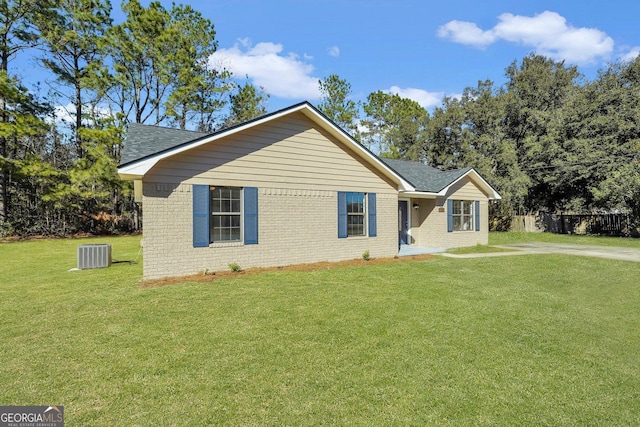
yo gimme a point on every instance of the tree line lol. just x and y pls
(61, 141)
(546, 139)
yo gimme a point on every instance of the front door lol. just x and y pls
(403, 222)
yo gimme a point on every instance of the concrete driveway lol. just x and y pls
(624, 254)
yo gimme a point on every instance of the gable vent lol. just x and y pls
(94, 256)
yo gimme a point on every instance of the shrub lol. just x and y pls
(235, 267)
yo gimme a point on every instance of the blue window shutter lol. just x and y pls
(342, 214)
(449, 215)
(476, 210)
(373, 225)
(201, 216)
(250, 216)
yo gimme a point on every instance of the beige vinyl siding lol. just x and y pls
(290, 152)
(465, 189)
(429, 222)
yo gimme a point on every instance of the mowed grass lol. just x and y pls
(479, 249)
(500, 238)
(527, 340)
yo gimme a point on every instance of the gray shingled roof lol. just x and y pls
(423, 177)
(145, 140)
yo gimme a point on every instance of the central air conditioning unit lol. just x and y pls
(94, 256)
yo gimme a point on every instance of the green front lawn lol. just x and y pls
(499, 238)
(527, 340)
(478, 249)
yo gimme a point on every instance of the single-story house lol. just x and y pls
(290, 187)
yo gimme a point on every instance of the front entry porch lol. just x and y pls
(406, 247)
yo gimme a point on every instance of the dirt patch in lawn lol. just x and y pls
(325, 265)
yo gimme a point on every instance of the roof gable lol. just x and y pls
(140, 161)
(427, 179)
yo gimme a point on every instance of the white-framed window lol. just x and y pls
(463, 215)
(226, 214)
(356, 214)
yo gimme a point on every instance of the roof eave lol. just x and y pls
(492, 194)
(416, 194)
(136, 170)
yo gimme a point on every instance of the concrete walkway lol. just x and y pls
(608, 252)
(409, 250)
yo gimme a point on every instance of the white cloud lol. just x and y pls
(246, 42)
(547, 32)
(632, 54)
(422, 97)
(281, 75)
(466, 33)
(66, 114)
(333, 51)
(63, 114)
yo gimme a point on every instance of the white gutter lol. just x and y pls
(419, 194)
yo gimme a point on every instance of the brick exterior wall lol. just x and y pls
(295, 226)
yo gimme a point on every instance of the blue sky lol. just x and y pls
(422, 50)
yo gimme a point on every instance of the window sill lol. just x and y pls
(225, 244)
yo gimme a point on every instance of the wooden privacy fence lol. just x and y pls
(528, 223)
(601, 224)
